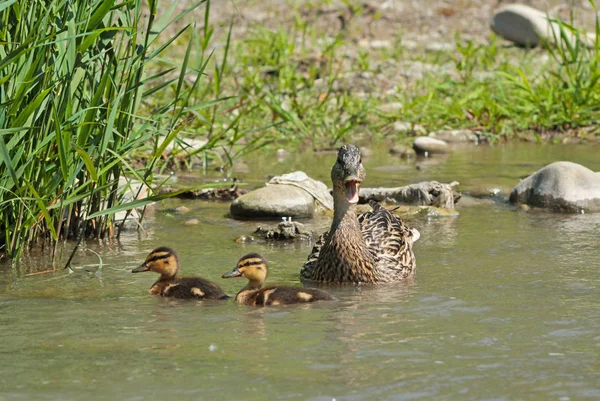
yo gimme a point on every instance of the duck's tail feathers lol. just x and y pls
(415, 234)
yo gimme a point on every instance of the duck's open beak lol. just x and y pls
(141, 268)
(352, 184)
(234, 273)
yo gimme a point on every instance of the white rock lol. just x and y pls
(274, 201)
(527, 26)
(560, 186)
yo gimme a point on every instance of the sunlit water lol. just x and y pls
(505, 306)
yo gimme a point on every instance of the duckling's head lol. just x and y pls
(251, 266)
(347, 174)
(162, 260)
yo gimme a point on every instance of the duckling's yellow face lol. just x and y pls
(252, 266)
(348, 173)
(162, 260)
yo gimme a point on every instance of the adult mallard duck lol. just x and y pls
(164, 260)
(374, 247)
(254, 268)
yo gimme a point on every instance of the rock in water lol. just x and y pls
(274, 201)
(427, 145)
(560, 186)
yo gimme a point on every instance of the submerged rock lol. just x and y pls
(274, 201)
(286, 230)
(560, 186)
(403, 151)
(426, 145)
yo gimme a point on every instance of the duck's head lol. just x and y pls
(251, 266)
(162, 260)
(347, 174)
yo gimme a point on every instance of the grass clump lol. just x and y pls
(73, 75)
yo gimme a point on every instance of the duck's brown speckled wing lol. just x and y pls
(310, 264)
(194, 287)
(389, 240)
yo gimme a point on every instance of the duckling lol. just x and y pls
(164, 260)
(254, 267)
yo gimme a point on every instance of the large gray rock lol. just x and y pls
(455, 136)
(560, 186)
(274, 201)
(527, 26)
(427, 145)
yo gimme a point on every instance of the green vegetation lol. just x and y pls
(73, 75)
(302, 85)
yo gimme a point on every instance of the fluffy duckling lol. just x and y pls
(164, 260)
(254, 268)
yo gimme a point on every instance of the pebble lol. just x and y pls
(427, 145)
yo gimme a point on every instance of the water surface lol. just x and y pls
(505, 306)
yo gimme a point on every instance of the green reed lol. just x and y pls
(73, 76)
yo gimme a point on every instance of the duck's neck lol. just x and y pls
(253, 285)
(169, 276)
(344, 213)
(345, 246)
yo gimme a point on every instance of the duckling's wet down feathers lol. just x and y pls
(254, 268)
(164, 260)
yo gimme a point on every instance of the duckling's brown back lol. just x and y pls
(194, 287)
(282, 295)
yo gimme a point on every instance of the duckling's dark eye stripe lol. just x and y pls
(158, 257)
(251, 262)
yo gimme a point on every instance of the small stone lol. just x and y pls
(404, 127)
(245, 238)
(282, 155)
(390, 108)
(182, 210)
(380, 44)
(455, 136)
(440, 47)
(409, 44)
(427, 145)
(192, 222)
(403, 151)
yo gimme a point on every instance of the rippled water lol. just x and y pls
(505, 306)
